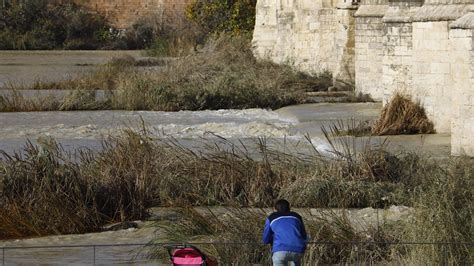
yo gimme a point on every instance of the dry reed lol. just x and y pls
(224, 76)
(402, 116)
(242, 228)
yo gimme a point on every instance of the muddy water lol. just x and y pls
(78, 250)
(311, 118)
(87, 129)
(26, 67)
(289, 126)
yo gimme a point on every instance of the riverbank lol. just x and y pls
(222, 146)
(224, 75)
(225, 171)
(148, 231)
(26, 68)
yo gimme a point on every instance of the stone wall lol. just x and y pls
(123, 13)
(314, 36)
(432, 84)
(344, 74)
(398, 47)
(369, 47)
(423, 48)
(461, 38)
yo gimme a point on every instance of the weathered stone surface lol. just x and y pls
(462, 70)
(369, 55)
(314, 36)
(423, 48)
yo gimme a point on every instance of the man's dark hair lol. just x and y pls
(282, 205)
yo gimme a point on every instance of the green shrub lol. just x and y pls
(7, 38)
(39, 25)
(215, 16)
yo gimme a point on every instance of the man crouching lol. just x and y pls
(285, 230)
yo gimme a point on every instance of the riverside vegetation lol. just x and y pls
(48, 191)
(41, 25)
(400, 116)
(224, 75)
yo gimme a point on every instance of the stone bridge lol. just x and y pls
(423, 48)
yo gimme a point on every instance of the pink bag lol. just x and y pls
(187, 255)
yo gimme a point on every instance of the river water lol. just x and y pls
(86, 129)
(289, 126)
(27, 67)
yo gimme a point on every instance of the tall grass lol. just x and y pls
(445, 213)
(225, 75)
(48, 191)
(72, 100)
(234, 237)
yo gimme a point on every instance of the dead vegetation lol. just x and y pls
(223, 75)
(235, 238)
(402, 116)
(48, 191)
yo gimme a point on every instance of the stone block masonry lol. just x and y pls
(422, 48)
(432, 83)
(397, 63)
(461, 37)
(369, 42)
(314, 36)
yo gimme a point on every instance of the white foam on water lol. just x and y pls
(87, 128)
(227, 130)
(95, 125)
(184, 124)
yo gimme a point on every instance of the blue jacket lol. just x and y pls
(286, 232)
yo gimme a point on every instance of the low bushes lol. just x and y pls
(225, 76)
(445, 212)
(216, 16)
(242, 228)
(400, 116)
(39, 25)
(48, 191)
